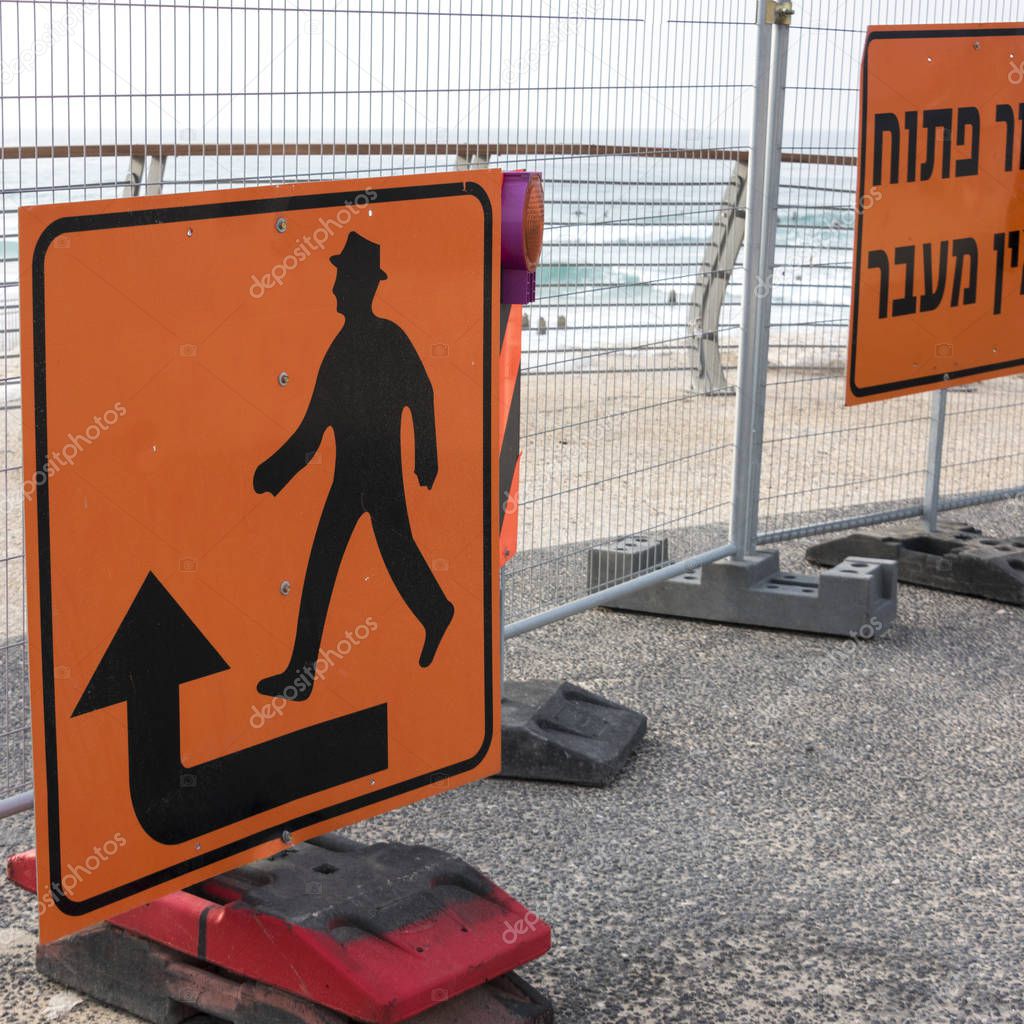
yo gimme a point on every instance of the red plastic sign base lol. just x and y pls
(378, 933)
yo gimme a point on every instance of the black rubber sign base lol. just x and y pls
(956, 557)
(562, 733)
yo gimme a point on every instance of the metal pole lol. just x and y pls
(582, 604)
(501, 628)
(739, 531)
(933, 477)
(15, 804)
(770, 202)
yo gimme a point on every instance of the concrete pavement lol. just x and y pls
(814, 830)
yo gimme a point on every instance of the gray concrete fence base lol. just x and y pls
(857, 597)
(955, 557)
(558, 732)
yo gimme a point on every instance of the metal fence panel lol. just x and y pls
(634, 111)
(639, 115)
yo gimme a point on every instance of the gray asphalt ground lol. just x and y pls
(814, 830)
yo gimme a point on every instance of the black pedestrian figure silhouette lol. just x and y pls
(369, 375)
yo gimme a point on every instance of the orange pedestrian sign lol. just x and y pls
(938, 291)
(261, 521)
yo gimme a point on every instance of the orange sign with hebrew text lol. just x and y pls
(938, 287)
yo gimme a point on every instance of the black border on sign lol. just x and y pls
(208, 211)
(936, 378)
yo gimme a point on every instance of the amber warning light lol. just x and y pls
(522, 235)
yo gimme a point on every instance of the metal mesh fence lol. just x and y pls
(620, 437)
(825, 465)
(633, 111)
(639, 116)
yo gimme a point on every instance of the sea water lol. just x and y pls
(625, 238)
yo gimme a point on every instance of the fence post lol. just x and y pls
(762, 217)
(933, 477)
(750, 589)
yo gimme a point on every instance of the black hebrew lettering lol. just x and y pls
(1005, 115)
(968, 117)
(878, 259)
(370, 374)
(907, 303)
(1002, 241)
(934, 283)
(964, 247)
(1015, 248)
(934, 121)
(910, 123)
(937, 147)
(998, 243)
(887, 124)
(962, 252)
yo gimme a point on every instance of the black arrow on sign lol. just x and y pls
(155, 650)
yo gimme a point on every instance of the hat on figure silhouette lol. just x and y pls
(360, 259)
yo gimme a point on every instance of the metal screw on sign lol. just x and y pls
(281, 225)
(282, 378)
(285, 586)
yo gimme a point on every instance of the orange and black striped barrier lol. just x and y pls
(522, 234)
(510, 370)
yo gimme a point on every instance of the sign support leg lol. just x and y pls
(933, 479)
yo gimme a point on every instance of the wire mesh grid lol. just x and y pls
(638, 114)
(618, 104)
(825, 465)
(616, 439)
(983, 454)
